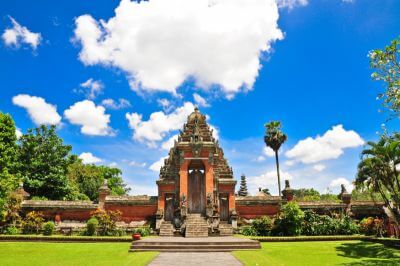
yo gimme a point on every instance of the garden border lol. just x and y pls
(89, 239)
(310, 238)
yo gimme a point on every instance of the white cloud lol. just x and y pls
(168, 144)
(159, 124)
(18, 35)
(89, 158)
(260, 158)
(328, 146)
(289, 163)
(91, 118)
(93, 87)
(267, 180)
(200, 101)
(157, 165)
(348, 1)
(319, 167)
(290, 4)
(339, 181)
(111, 104)
(18, 133)
(137, 164)
(268, 152)
(160, 44)
(38, 109)
(113, 164)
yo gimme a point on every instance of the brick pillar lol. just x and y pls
(183, 180)
(104, 191)
(209, 175)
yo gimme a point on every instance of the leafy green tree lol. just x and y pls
(9, 177)
(274, 138)
(306, 194)
(378, 171)
(386, 64)
(289, 220)
(44, 161)
(89, 177)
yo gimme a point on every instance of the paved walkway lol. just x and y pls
(199, 258)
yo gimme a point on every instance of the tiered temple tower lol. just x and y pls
(196, 179)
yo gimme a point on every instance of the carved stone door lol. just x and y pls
(196, 192)
(224, 206)
(169, 207)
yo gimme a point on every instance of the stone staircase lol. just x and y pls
(166, 229)
(225, 229)
(182, 244)
(196, 226)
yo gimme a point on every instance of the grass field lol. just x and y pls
(320, 253)
(275, 253)
(40, 253)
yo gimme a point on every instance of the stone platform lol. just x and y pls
(182, 244)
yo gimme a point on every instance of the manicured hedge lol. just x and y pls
(308, 238)
(63, 238)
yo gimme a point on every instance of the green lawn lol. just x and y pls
(321, 253)
(40, 253)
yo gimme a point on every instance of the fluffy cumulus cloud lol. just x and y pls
(116, 105)
(160, 44)
(267, 180)
(38, 109)
(169, 143)
(199, 100)
(267, 151)
(319, 167)
(336, 183)
(137, 164)
(89, 158)
(159, 124)
(290, 4)
(17, 35)
(92, 119)
(331, 145)
(92, 88)
(157, 165)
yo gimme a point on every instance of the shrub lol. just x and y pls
(33, 222)
(91, 226)
(248, 231)
(107, 221)
(12, 230)
(289, 221)
(262, 226)
(49, 228)
(318, 225)
(372, 226)
(143, 231)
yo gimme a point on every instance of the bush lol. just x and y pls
(107, 221)
(248, 231)
(49, 228)
(143, 231)
(372, 226)
(33, 222)
(91, 226)
(319, 225)
(289, 221)
(12, 230)
(262, 226)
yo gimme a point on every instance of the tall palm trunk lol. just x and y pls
(277, 171)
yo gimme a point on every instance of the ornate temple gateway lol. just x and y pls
(196, 195)
(196, 189)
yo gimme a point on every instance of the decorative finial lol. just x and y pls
(196, 109)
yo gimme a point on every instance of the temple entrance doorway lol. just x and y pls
(196, 187)
(224, 206)
(169, 207)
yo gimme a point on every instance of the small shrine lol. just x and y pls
(196, 188)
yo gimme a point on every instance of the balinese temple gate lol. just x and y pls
(196, 189)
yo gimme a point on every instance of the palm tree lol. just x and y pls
(274, 138)
(379, 172)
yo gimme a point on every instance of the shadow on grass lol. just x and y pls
(369, 253)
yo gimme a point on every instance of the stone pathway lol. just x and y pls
(200, 258)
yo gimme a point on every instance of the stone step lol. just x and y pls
(214, 247)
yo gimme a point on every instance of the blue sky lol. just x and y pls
(244, 63)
